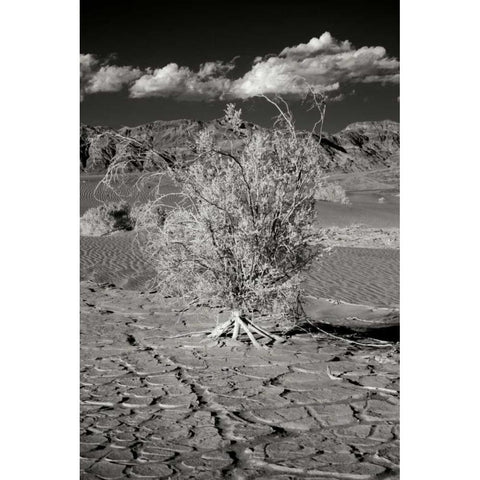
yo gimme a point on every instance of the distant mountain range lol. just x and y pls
(361, 146)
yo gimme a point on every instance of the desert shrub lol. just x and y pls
(105, 219)
(242, 228)
(332, 192)
(148, 213)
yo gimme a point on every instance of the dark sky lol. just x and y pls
(147, 33)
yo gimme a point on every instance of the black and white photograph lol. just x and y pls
(209, 233)
(239, 240)
(207, 240)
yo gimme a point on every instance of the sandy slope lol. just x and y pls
(360, 236)
(114, 259)
(358, 275)
(381, 179)
(90, 196)
(353, 275)
(365, 208)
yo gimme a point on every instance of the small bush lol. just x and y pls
(105, 219)
(148, 215)
(242, 229)
(332, 192)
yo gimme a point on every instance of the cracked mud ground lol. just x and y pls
(158, 404)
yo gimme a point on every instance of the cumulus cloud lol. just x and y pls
(325, 44)
(218, 68)
(88, 64)
(95, 77)
(112, 78)
(276, 76)
(325, 64)
(183, 83)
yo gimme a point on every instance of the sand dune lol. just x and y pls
(89, 197)
(360, 236)
(381, 179)
(356, 275)
(365, 208)
(114, 259)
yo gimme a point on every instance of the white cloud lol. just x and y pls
(112, 78)
(218, 68)
(277, 76)
(173, 81)
(324, 63)
(165, 81)
(95, 77)
(325, 44)
(87, 63)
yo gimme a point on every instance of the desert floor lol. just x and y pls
(158, 400)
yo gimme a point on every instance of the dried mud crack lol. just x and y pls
(156, 403)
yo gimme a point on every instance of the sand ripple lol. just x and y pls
(365, 209)
(357, 275)
(90, 198)
(115, 259)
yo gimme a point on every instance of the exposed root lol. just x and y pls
(236, 329)
(332, 376)
(264, 333)
(238, 322)
(189, 334)
(248, 332)
(219, 330)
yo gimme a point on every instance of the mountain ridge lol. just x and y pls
(360, 146)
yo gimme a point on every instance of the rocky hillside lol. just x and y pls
(363, 146)
(359, 147)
